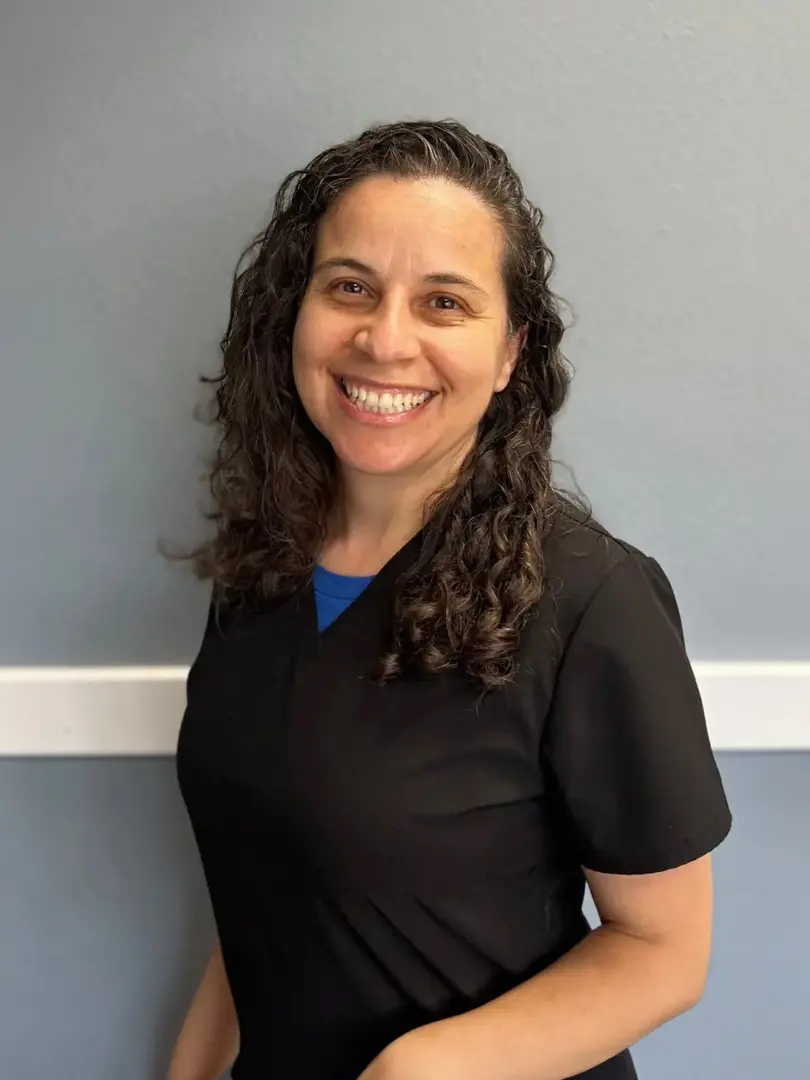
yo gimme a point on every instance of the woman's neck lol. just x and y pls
(374, 517)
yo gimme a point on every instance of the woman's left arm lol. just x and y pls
(644, 965)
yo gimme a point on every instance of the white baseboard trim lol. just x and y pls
(136, 711)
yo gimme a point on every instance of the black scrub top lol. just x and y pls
(382, 857)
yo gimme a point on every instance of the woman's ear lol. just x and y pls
(514, 348)
(521, 334)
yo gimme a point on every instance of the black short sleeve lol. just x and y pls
(626, 738)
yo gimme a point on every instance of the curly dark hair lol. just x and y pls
(480, 572)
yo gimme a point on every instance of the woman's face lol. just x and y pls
(402, 336)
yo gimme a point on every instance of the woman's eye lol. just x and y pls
(444, 301)
(352, 286)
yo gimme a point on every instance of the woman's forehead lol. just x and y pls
(426, 220)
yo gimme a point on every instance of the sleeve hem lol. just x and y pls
(657, 861)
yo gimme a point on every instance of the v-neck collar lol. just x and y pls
(364, 619)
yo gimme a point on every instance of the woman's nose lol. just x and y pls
(389, 336)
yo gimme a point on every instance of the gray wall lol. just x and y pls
(140, 147)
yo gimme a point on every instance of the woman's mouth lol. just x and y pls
(383, 404)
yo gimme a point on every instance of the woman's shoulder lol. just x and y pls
(580, 552)
(587, 565)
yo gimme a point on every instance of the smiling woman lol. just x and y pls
(405, 261)
(433, 697)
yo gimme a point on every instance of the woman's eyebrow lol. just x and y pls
(457, 279)
(347, 263)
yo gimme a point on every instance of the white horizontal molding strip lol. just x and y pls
(89, 711)
(136, 711)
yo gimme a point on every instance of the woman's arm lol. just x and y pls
(209, 1038)
(646, 964)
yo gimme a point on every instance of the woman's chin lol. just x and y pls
(377, 461)
(377, 465)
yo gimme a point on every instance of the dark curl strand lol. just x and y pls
(480, 573)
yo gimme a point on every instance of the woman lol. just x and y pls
(434, 698)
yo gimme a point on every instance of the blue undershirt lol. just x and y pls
(334, 593)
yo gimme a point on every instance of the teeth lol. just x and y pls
(386, 402)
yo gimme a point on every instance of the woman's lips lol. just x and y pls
(392, 416)
(383, 388)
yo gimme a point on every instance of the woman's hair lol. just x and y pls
(481, 569)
